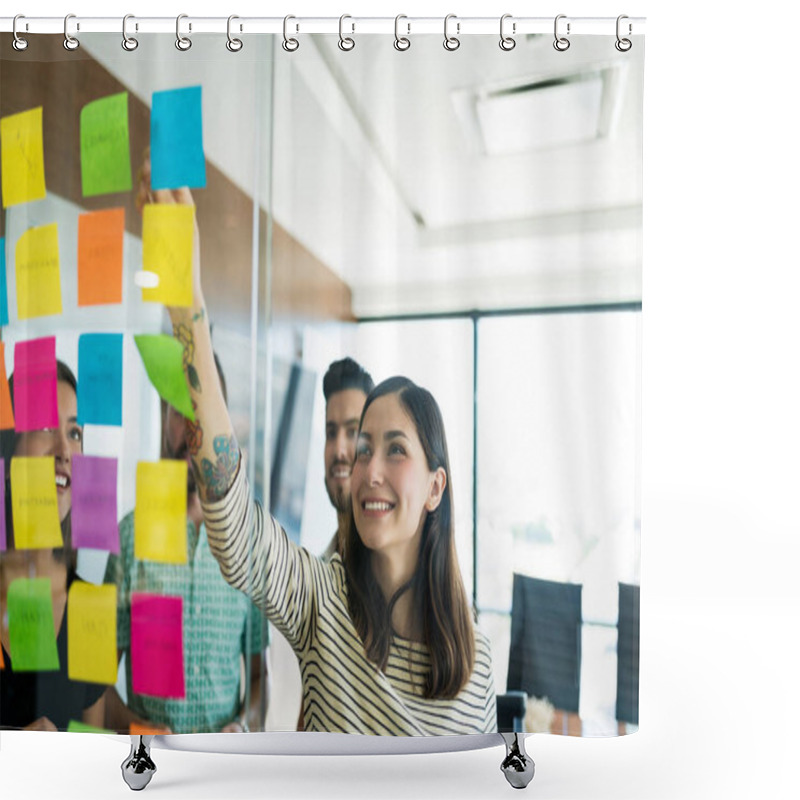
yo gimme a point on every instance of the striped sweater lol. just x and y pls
(306, 599)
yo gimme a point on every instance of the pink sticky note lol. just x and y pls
(157, 645)
(35, 384)
(2, 505)
(94, 503)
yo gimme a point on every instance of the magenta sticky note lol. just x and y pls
(35, 384)
(157, 645)
(2, 505)
(94, 503)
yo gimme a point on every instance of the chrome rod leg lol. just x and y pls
(138, 768)
(517, 766)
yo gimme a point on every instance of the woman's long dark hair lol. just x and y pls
(8, 446)
(440, 601)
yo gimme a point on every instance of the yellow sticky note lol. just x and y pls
(38, 272)
(34, 503)
(167, 241)
(22, 157)
(159, 519)
(92, 629)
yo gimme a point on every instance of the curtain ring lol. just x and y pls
(19, 43)
(623, 45)
(507, 42)
(128, 42)
(561, 43)
(234, 45)
(401, 43)
(451, 42)
(70, 42)
(289, 44)
(346, 43)
(183, 43)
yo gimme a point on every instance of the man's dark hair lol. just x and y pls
(346, 374)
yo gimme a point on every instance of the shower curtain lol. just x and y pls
(468, 216)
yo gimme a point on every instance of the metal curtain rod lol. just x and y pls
(462, 26)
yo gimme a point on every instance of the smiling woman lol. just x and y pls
(45, 699)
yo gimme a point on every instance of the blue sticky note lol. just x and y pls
(3, 288)
(176, 139)
(100, 378)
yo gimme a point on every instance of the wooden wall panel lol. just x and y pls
(62, 83)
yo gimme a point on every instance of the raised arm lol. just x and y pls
(212, 443)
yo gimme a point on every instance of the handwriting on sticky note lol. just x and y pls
(31, 630)
(6, 409)
(22, 152)
(162, 357)
(3, 540)
(34, 504)
(105, 151)
(100, 249)
(159, 518)
(92, 633)
(176, 139)
(94, 503)
(35, 384)
(38, 273)
(167, 242)
(157, 645)
(100, 378)
(3, 284)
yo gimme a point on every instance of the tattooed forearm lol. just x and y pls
(216, 478)
(183, 333)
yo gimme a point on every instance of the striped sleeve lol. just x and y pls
(257, 558)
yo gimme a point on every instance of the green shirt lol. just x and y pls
(220, 625)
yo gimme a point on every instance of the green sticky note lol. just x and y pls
(163, 359)
(105, 150)
(31, 630)
(81, 727)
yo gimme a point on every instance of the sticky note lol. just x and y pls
(100, 247)
(94, 503)
(34, 504)
(3, 542)
(81, 727)
(3, 284)
(162, 357)
(167, 242)
(105, 151)
(2, 660)
(6, 409)
(159, 519)
(31, 630)
(22, 152)
(92, 633)
(136, 729)
(35, 384)
(38, 273)
(157, 645)
(176, 139)
(100, 378)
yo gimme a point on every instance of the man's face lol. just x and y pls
(342, 414)
(174, 446)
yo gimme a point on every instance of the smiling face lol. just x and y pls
(393, 489)
(62, 443)
(342, 414)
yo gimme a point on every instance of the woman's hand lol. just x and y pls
(41, 724)
(146, 196)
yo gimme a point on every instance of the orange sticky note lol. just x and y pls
(3, 663)
(100, 240)
(145, 730)
(6, 409)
